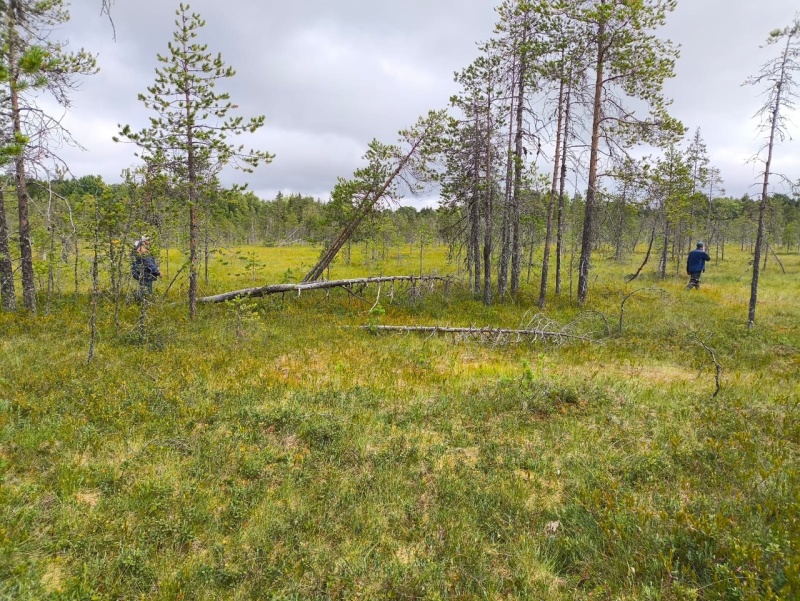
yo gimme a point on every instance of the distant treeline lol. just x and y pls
(65, 220)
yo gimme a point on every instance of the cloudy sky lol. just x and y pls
(330, 75)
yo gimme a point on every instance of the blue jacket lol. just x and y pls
(697, 261)
(144, 268)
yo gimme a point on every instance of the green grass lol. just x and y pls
(275, 451)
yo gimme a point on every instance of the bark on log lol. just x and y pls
(279, 288)
(476, 331)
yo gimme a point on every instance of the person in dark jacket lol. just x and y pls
(696, 265)
(143, 267)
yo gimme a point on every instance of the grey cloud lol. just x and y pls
(330, 76)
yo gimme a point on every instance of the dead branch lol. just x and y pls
(778, 260)
(346, 284)
(377, 298)
(633, 276)
(184, 266)
(622, 306)
(716, 365)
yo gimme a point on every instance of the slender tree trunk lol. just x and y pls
(553, 191)
(505, 243)
(762, 208)
(488, 217)
(516, 202)
(475, 245)
(562, 186)
(662, 265)
(7, 292)
(193, 225)
(649, 250)
(618, 243)
(95, 282)
(75, 264)
(50, 263)
(26, 250)
(585, 262)
(192, 257)
(206, 251)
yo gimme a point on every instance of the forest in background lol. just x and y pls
(63, 224)
(563, 92)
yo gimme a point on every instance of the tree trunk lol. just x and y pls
(475, 245)
(662, 265)
(762, 208)
(487, 233)
(488, 215)
(505, 243)
(562, 197)
(516, 244)
(585, 262)
(26, 250)
(7, 292)
(553, 191)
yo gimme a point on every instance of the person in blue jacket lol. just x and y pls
(143, 267)
(696, 265)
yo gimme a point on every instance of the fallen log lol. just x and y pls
(325, 284)
(471, 331)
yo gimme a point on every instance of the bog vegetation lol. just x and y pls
(274, 449)
(540, 411)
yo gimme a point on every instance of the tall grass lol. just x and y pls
(272, 450)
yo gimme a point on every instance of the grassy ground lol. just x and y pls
(273, 450)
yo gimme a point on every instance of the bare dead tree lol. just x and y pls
(95, 281)
(634, 276)
(537, 327)
(778, 75)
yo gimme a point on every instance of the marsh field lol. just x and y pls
(275, 449)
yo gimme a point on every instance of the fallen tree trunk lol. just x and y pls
(477, 331)
(281, 288)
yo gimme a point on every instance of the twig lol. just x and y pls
(184, 266)
(622, 306)
(716, 365)
(778, 260)
(377, 299)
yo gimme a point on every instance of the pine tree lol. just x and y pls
(31, 62)
(629, 63)
(191, 126)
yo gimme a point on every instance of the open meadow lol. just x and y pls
(274, 449)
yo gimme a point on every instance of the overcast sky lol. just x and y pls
(330, 75)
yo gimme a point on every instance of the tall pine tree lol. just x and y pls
(192, 125)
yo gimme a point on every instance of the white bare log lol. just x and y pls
(321, 285)
(472, 331)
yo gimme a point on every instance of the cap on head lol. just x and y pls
(140, 242)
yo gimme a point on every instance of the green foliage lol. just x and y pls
(191, 117)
